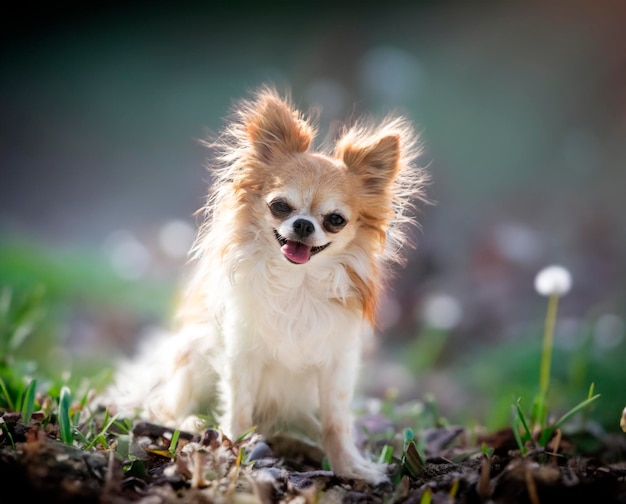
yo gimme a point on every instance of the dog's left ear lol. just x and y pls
(377, 163)
(275, 128)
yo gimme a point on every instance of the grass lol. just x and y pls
(26, 388)
(65, 416)
(26, 401)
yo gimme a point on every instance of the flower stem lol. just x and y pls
(540, 410)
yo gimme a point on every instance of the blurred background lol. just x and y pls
(522, 112)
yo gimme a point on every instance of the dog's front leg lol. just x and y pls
(239, 386)
(337, 382)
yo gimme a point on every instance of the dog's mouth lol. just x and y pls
(295, 251)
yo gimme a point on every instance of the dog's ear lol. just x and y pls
(377, 162)
(275, 128)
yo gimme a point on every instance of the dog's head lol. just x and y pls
(312, 204)
(307, 207)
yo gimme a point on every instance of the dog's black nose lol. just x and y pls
(303, 228)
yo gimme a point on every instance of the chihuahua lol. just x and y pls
(289, 263)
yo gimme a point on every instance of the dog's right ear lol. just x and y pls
(274, 127)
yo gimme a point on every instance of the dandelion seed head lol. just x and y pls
(553, 280)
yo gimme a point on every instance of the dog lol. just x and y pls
(289, 263)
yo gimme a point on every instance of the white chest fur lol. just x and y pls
(292, 314)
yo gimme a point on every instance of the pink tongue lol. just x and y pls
(296, 251)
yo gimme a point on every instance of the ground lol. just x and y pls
(459, 467)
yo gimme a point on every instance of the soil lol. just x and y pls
(459, 468)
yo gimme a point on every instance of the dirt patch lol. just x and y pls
(210, 468)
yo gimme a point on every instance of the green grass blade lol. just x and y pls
(539, 411)
(326, 464)
(454, 489)
(28, 402)
(591, 390)
(174, 443)
(65, 425)
(386, 455)
(6, 394)
(586, 411)
(547, 433)
(515, 427)
(78, 436)
(575, 410)
(245, 433)
(108, 422)
(7, 432)
(520, 416)
(123, 424)
(487, 450)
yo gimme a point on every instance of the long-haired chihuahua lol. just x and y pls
(288, 266)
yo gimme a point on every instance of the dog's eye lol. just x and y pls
(334, 222)
(280, 208)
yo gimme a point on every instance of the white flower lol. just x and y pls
(553, 280)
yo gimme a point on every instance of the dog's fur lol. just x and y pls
(288, 267)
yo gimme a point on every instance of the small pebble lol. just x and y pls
(260, 451)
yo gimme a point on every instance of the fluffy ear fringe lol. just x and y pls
(264, 123)
(274, 127)
(408, 187)
(376, 164)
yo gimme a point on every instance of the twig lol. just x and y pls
(556, 443)
(108, 479)
(531, 486)
(485, 476)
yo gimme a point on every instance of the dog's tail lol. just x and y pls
(169, 379)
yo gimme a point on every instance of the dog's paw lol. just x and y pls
(366, 470)
(193, 424)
